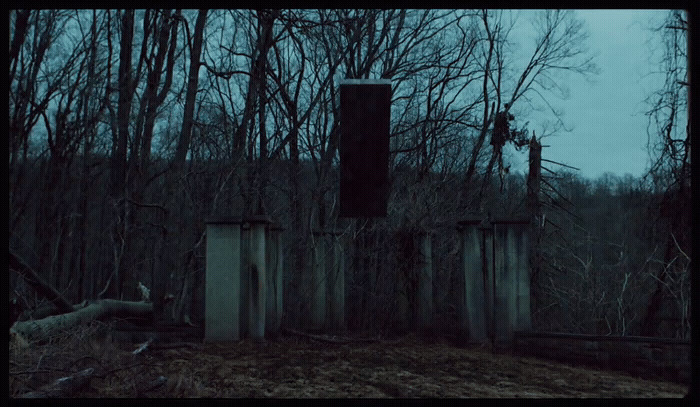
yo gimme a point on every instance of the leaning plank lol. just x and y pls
(63, 387)
(101, 309)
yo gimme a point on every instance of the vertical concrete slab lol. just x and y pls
(488, 271)
(337, 284)
(279, 281)
(273, 308)
(511, 286)
(501, 284)
(425, 282)
(524, 317)
(404, 290)
(512, 308)
(318, 282)
(258, 281)
(471, 308)
(245, 280)
(223, 280)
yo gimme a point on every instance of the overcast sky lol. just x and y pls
(607, 115)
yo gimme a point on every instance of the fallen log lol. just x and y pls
(63, 387)
(40, 286)
(50, 326)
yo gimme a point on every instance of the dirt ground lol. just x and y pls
(299, 367)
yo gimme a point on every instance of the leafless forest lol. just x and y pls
(128, 129)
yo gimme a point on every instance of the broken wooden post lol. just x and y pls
(273, 317)
(318, 282)
(425, 282)
(337, 284)
(471, 297)
(223, 279)
(258, 282)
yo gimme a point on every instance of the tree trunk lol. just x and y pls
(176, 208)
(50, 326)
(187, 121)
(119, 149)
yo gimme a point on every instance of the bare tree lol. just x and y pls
(560, 46)
(669, 145)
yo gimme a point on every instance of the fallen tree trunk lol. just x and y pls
(40, 286)
(46, 311)
(101, 309)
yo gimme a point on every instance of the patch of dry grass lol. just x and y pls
(293, 367)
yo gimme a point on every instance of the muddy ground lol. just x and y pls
(295, 367)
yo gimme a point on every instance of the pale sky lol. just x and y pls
(607, 115)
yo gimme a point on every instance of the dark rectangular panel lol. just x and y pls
(364, 147)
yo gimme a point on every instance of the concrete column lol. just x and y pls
(337, 285)
(258, 281)
(425, 282)
(489, 285)
(223, 279)
(502, 285)
(404, 289)
(243, 323)
(273, 313)
(472, 325)
(521, 246)
(511, 271)
(318, 283)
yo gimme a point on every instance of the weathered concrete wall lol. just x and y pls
(245, 281)
(425, 282)
(258, 281)
(521, 249)
(275, 261)
(652, 358)
(337, 285)
(223, 280)
(512, 279)
(471, 297)
(489, 284)
(318, 283)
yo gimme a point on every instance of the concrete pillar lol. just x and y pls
(471, 306)
(318, 282)
(337, 284)
(521, 246)
(425, 282)
(404, 289)
(273, 314)
(258, 281)
(502, 285)
(512, 278)
(243, 323)
(489, 285)
(223, 279)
